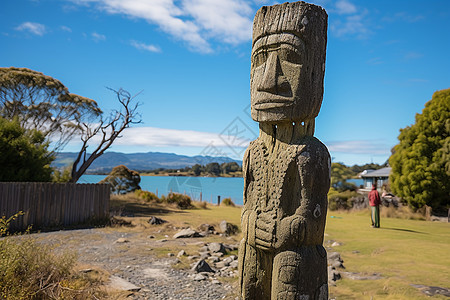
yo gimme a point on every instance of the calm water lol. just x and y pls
(208, 187)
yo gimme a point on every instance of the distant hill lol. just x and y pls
(140, 161)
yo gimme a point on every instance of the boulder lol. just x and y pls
(186, 233)
(202, 266)
(156, 221)
(216, 247)
(228, 228)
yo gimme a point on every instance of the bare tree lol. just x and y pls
(109, 130)
(43, 103)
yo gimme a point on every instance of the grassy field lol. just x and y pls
(402, 252)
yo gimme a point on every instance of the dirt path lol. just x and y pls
(141, 260)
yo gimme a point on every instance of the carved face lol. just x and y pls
(281, 80)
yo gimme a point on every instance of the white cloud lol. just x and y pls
(34, 28)
(345, 7)
(192, 21)
(371, 147)
(227, 20)
(142, 46)
(65, 28)
(149, 137)
(98, 37)
(352, 25)
(412, 55)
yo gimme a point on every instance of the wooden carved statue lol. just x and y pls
(286, 169)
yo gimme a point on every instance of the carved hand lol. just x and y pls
(290, 232)
(265, 230)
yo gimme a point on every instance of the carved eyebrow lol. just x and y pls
(277, 46)
(279, 38)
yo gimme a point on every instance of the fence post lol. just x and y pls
(218, 200)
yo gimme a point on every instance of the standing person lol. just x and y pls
(374, 202)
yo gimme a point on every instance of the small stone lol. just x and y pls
(122, 240)
(156, 221)
(336, 244)
(151, 237)
(170, 254)
(215, 281)
(121, 284)
(181, 253)
(199, 277)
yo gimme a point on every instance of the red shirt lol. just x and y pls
(374, 197)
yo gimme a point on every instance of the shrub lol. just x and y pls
(228, 202)
(341, 200)
(29, 270)
(146, 195)
(182, 201)
(202, 205)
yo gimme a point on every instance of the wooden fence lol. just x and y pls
(53, 204)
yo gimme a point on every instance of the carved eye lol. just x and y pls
(259, 58)
(289, 55)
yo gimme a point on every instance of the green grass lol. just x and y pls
(404, 252)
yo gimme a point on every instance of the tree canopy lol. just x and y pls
(24, 155)
(43, 103)
(421, 161)
(123, 180)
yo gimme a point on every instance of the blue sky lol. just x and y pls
(191, 60)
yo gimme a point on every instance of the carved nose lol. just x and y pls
(273, 80)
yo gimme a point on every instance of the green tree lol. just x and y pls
(24, 153)
(197, 169)
(213, 168)
(339, 175)
(123, 180)
(229, 167)
(43, 103)
(421, 161)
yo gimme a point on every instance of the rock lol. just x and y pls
(170, 254)
(122, 240)
(151, 237)
(202, 266)
(222, 264)
(218, 254)
(123, 285)
(336, 244)
(334, 256)
(204, 255)
(337, 264)
(333, 275)
(213, 259)
(181, 253)
(199, 277)
(203, 249)
(234, 264)
(432, 290)
(215, 281)
(228, 228)
(359, 276)
(206, 228)
(193, 257)
(217, 247)
(186, 233)
(156, 221)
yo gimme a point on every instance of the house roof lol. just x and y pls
(384, 172)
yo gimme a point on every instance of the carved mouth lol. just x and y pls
(269, 103)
